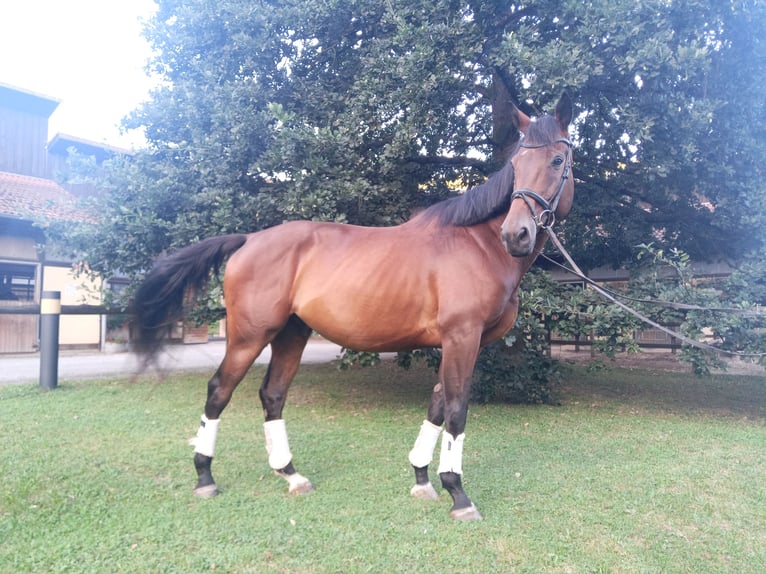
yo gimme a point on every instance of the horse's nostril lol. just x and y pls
(523, 234)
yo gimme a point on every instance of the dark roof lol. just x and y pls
(26, 197)
(60, 143)
(26, 101)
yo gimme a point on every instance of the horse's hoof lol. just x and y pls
(466, 514)
(207, 491)
(298, 484)
(424, 491)
(302, 488)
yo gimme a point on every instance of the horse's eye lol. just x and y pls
(557, 161)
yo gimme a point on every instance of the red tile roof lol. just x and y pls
(26, 197)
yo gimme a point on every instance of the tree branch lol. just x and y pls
(458, 161)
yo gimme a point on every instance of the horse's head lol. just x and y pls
(543, 184)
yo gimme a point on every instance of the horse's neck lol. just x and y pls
(496, 222)
(487, 234)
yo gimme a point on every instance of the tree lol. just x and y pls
(362, 111)
(672, 154)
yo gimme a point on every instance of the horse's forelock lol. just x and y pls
(543, 131)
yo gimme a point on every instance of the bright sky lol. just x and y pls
(89, 54)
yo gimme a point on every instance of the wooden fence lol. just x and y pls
(19, 325)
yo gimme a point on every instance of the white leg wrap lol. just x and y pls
(276, 444)
(204, 442)
(423, 452)
(451, 457)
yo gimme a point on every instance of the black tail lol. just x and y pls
(158, 302)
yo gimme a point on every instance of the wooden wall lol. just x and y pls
(18, 333)
(23, 137)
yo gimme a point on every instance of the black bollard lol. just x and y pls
(50, 312)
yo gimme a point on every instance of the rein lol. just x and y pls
(659, 303)
(547, 216)
(545, 222)
(575, 270)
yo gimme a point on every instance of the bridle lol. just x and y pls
(547, 216)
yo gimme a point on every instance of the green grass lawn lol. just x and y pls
(634, 471)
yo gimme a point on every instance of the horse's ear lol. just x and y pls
(520, 120)
(564, 111)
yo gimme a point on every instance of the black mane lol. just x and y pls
(489, 199)
(479, 203)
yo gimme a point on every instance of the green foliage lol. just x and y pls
(662, 155)
(669, 276)
(361, 111)
(520, 369)
(430, 357)
(349, 358)
(504, 374)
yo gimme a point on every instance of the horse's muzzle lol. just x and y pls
(519, 241)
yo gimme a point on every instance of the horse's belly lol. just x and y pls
(354, 325)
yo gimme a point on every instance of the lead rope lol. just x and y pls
(689, 341)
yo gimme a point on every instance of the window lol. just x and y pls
(17, 281)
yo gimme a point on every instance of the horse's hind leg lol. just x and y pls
(238, 359)
(286, 350)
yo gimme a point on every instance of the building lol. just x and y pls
(30, 168)
(29, 194)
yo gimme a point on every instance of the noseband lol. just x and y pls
(547, 216)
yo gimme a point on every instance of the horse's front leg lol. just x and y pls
(422, 453)
(449, 404)
(458, 360)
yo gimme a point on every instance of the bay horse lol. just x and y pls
(448, 278)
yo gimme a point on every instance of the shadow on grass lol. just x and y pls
(388, 385)
(385, 385)
(669, 392)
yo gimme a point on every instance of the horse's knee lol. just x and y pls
(436, 405)
(455, 416)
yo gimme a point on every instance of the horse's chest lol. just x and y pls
(500, 322)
